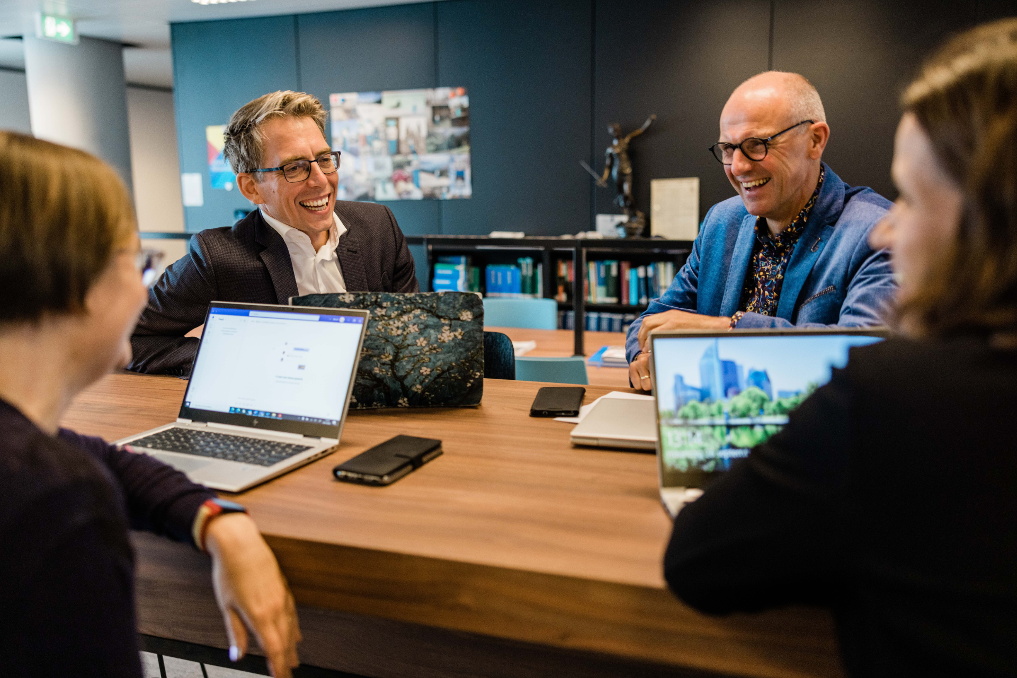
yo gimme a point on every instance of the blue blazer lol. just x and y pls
(833, 278)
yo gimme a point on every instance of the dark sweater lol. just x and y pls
(67, 570)
(891, 498)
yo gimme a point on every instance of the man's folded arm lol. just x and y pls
(681, 294)
(869, 295)
(872, 290)
(176, 305)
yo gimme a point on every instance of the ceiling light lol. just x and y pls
(217, 2)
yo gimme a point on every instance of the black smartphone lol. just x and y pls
(558, 401)
(388, 462)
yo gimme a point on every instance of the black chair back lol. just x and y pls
(499, 358)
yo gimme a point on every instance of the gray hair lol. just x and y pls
(245, 144)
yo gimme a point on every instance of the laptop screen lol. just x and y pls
(275, 367)
(719, 395)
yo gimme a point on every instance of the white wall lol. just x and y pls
(77, 95)
(155, 166)
(155, 169)
(14, 102)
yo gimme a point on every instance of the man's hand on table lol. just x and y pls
(252, 592)
(639, 372)
(639, 368)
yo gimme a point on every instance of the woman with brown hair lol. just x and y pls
(891, 495)
(70, 293)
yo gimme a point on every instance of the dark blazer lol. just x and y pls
(890, 497)
(250, 263)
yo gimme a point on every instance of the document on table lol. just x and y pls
(609, 356)
(523, 347)
(585, 409)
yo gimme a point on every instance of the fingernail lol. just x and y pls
(234, 653)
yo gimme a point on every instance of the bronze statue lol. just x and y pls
(618, 166)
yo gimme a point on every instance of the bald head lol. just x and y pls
(782, 95)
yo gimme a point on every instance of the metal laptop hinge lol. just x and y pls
(247, 430)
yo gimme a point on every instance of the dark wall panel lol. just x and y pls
(217, 67)
(861, 68)
(680, 60)
(989, 10)
(526, 66)
(368, 50)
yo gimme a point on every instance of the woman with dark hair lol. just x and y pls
(70, 294)
(891, 495)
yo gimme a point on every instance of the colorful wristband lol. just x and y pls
(734, 319)
(210, 509)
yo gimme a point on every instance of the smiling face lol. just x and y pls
(306, 205)
(923, 222)
(779, 185)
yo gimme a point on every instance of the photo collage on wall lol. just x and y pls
(403, 144)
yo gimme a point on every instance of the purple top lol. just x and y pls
(67, 568)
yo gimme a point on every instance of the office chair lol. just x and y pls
(499, 358)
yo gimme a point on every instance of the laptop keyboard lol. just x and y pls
(220, 446)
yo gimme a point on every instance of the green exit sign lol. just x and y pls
(56, 27)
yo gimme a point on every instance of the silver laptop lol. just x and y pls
(618, 422)
(718, 395)
(268, 392)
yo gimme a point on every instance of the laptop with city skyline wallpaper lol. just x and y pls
(720, 394)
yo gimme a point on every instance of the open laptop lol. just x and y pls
(719, 394)
(268, 392)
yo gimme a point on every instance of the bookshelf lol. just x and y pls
(547, 252)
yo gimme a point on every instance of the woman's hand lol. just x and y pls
(251, 592)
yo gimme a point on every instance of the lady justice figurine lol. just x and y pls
(618, 166)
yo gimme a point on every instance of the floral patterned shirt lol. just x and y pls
(770, 257)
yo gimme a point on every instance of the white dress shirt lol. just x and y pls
(316, 272)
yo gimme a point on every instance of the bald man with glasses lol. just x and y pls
(300, 239)
(791, 249)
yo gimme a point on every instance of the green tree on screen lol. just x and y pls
(748, 403)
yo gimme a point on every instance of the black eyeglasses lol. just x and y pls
(147, 263)
(752, 148)
(298, 170)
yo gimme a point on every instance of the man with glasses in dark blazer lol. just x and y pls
(300, 240)
(791, 249)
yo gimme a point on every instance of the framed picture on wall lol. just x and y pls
(409, 144)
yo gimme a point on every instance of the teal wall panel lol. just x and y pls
(368, 50)
(218, 66)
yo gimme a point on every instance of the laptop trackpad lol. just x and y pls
(182, 463)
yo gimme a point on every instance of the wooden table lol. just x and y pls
(560, 343)
(513, 554)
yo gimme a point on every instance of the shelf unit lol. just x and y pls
(547, 250)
